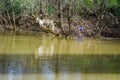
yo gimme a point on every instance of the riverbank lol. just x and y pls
(89, 28)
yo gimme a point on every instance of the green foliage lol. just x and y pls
(31, 6)
(51, 9)
(16, 7)
(112, 3)
(0, 7)
(88, 3)
(12, 5)
(115, 6)
(117, 11)
(118, 1)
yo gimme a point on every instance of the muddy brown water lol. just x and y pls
(44, 57)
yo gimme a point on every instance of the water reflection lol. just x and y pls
(45, 48)
(58, 67)
(47, 71)
(19, 64)
(48, 58)
(14, 44)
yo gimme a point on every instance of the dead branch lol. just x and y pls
(50, 31)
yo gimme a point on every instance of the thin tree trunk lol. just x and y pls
(69, 17)
(60, 15)
(103, 6)
(13, 16)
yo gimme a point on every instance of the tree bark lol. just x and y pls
(60, 15)
(13, 16)
(69, 16)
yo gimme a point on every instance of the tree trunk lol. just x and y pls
(69, 16)
(60, 15)
(13, 16)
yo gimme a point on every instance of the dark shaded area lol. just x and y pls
(30, 64)
(114, 33)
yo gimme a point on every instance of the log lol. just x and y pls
(50, 31)
(45, 28)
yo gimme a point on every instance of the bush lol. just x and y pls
(12, 5)
(51, 9)
(114, 7)
(0, 7)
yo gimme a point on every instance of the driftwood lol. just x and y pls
(44, 28)
(50, 31)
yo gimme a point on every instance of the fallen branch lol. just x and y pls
(50, 31)
(4, 19)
